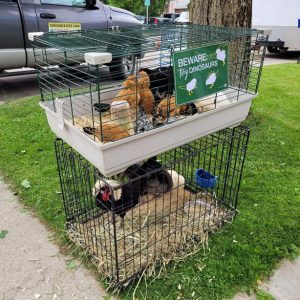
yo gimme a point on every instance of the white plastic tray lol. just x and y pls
(115, 157)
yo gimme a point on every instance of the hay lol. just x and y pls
(160, 230)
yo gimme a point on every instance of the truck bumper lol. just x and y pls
(272, 44)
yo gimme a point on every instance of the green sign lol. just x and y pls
(200, 72)
(147, 2)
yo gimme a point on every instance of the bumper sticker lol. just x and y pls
(60, 26)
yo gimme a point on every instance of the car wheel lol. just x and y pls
(272, 50)
(121, 67)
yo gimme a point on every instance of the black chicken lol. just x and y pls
(161, 82)
(160, 181)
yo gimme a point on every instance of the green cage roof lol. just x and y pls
(133, 40)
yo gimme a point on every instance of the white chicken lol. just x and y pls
(211, 79)
(190, 86)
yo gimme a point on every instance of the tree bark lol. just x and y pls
(228, 13)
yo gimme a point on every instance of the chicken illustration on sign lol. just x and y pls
(191, 86)
(221, 55)
(211, 79)
(200, 72)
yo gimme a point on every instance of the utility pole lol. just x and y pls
(147, 4)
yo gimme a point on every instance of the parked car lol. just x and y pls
(158, 20)
(171, 16)
(19, 17)
(141, 18)
(184, 18)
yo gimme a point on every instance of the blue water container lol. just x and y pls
(205, 179)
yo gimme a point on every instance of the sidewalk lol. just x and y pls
(31, 267)
(283, 285)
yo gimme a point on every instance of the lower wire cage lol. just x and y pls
(156, 211)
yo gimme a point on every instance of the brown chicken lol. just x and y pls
(146, 95)
(129, 93)
(111, 132)
(167, 107)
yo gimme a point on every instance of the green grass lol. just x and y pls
(266, 229)
(263, 295)
(27, 152)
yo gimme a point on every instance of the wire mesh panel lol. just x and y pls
(154, 211)
(127, 86)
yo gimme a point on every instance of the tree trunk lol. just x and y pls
(228, 13)
(167, 6)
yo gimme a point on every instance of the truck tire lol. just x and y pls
(121, 67)
(272, 50)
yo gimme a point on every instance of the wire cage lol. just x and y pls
(157, 210)
(126, 91)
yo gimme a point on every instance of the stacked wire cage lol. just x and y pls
(150, 160)
(122, 98)
(156, 211)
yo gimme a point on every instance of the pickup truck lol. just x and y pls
(280, 20)
(19, 17)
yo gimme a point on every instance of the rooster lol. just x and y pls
(119, 198)
(113, 196)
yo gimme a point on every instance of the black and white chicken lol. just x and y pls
(119, 198)
(113, 196)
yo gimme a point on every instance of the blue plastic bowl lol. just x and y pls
(205, 179)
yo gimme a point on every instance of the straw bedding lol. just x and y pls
(162, 228)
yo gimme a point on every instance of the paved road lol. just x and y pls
(18, 87)
(26, 85)
(281, 58)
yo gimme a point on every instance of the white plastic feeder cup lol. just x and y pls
(94, 58)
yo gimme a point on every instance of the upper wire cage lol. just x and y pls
(121, 96)
(134, 91)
